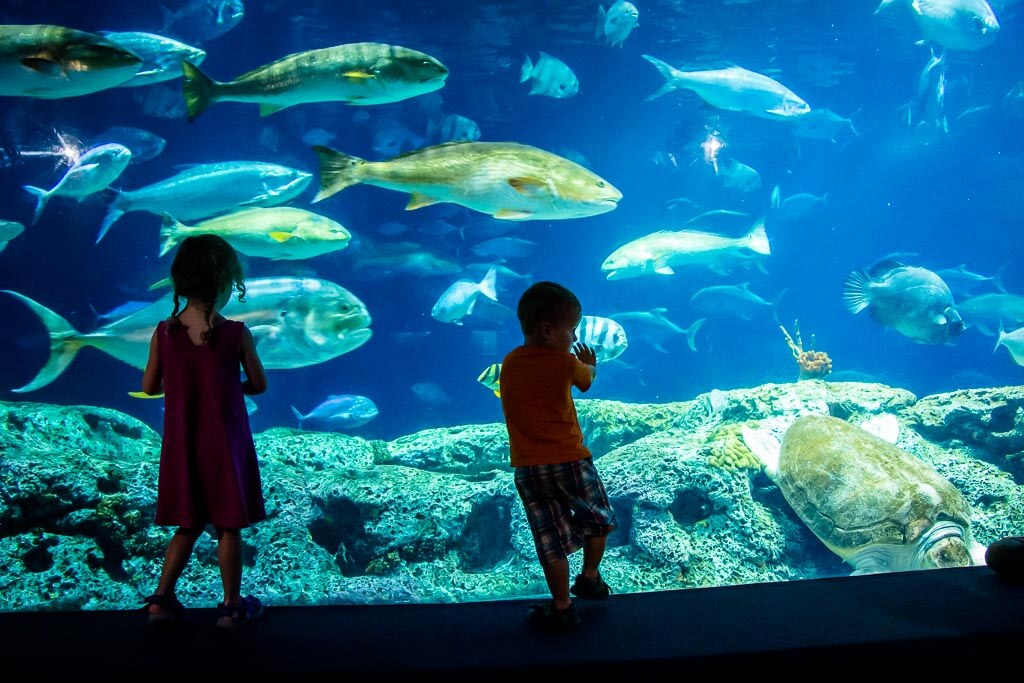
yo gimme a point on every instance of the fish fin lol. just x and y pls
(298, 415)
(497, 393)
(854, 295)
(529, 186)
(757, 239)
(664, 270)
(160, 284)
(151, 72)
(667, 72)
(526, 70)
(170, 233)
(143, 394)
(489, 283)
(512, 214)
(280, 236)
(42, 196)
(691, 333)
(358, 74)
(776, 197)
(46, 67)
(268, 109)
(65, 343)
(337, 171)
(417, 200)
(599, 29)
(200, 90)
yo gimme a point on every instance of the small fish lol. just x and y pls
(345, 411)
(281, 232)
(122, 311)
(391, 138)
(966, 283)
(457, 302)
(658, 252)
(822, 124)
(318, 136)
(453, 128)
(1014, 343)
(653, 327)
(550, 76)
(356, 73)
(795, 208)
(206, 190)
(737, 176)
(94, 171)
(8, 231)
(914, 301)
(504, 248)
(52, 61)
(430, 393)
(396, 259)
(733, 89)
(161, 56)
(735, 300)
(954, 24)
(202, 20)
(616, 25)
(506, 180)
(491, 378)
(143, 144)
(604, 335)
(987, 312)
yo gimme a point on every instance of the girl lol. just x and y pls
(208, 468)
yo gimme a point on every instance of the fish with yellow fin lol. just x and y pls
(506, 180)
(491, 378)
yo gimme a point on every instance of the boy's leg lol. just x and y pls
(557, 576)
(229, 557)
(593, 551)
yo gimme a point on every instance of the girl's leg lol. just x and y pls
(229, 556)
(179, 550)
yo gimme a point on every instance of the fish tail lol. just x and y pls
(997, 279)
(855, 295)
(170, 233)
(114, 211)
(757, 239)
(337, 171)
(65, 343)
(776, 301)
(599, 28)
(200, 90)
(527, 70)
(668, 72)
(691, 333)
(42, 196)
(489, 283)
(297, 414)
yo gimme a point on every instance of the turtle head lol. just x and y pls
(947, 552)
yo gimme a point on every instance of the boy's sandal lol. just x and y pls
(588, 589)
(169, 608)
(545, 617)
(242, 614)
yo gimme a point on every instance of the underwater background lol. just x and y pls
(923, 163)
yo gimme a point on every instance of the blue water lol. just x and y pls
(947, 198)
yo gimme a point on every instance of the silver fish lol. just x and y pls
(458, 301)
(52, 61)
(161, 56)
(8, 231)
(296, 322)
(987, 312)
(206, 190)
(605, 335)
(954, 24)
(734, 300)
(965, 283)
(617, 23)
(549, 76)
(202, 20)
(344, 411)
(914, 301)
(143, 144)
(653, 327)
(1014, 343)
(94, 171)
(733, 89)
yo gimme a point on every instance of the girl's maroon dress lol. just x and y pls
(208, 467)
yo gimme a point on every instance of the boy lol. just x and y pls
(563, 496)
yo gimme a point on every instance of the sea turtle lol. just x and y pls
(871, 503)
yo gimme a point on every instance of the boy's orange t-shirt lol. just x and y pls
(540, 415)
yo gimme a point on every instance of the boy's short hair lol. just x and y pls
(545, 302)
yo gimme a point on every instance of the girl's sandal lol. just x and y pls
(168, 608)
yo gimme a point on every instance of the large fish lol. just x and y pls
(161, 56)
(504, 179)
(356, 73)
(956, 24)
(987, 312)
(658, 252)
(733, 89)
(202, 20)
(8, 231)
(52, 61)
(653, 327)
(281, 232)
(94, 171)
(206, 190)
(914, 301)
(616, 24)
(295, 322)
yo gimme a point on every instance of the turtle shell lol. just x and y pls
(854, 489)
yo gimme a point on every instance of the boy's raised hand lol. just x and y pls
(586, 354)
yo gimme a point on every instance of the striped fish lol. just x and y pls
(604, 334)
(491, 377)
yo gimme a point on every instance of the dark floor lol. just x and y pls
(910, 626)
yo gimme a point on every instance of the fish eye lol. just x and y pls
(600, 183)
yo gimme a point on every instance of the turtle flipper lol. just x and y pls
(765, 446)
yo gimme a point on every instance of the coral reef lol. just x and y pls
(434, 516)
(813, 364)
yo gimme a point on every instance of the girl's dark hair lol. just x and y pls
(203, 268)
(545, 302)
